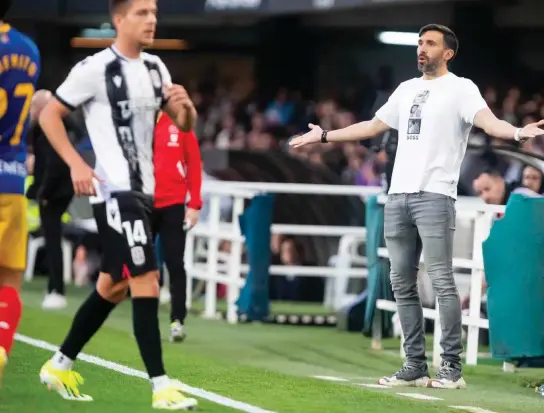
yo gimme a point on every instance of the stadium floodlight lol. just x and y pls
(398, 38)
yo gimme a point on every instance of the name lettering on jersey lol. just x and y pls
(13, 168)
(16, 61)
(138, 106)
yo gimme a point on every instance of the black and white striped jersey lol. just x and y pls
(120, 98)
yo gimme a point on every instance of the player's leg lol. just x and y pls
(13, 245)
(173, 247)
(404, 248)
(51, 222)
(141, 269)
(111, 289)
(434, 215)
(57, 373)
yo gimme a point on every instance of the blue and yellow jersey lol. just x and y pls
(19, 72)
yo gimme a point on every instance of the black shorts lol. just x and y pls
(125, 231)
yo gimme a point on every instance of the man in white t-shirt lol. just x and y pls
(420, 210)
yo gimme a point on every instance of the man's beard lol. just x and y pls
(429, 67)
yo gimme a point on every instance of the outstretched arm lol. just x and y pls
(387, 117)
(356, 132)
(486, 120)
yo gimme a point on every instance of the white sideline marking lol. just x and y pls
(419, 396)
(127, 371)
(330, 378)
(374, 386)
(471, 409)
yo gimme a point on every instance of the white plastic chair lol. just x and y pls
(34, 245)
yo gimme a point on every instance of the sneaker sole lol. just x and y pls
(437, 384)
(421, 382)
(54, 384)
(187, 404)
(178, 339)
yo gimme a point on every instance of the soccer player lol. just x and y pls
(420, 210)
(121, 90)
(19, 71)
(178, 171)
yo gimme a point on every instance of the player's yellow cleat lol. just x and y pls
(3, 363)
(64, 382)
(171, 398)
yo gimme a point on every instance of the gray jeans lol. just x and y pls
(427, 220)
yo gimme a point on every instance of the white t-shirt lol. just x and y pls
(121, 98)
(434, 119)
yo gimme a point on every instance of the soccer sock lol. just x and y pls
(89, 318)
(145, 319)
(10, 314)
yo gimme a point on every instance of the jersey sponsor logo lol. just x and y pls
(138, 106)
(14, 168)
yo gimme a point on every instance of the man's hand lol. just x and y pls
(313, 136)
(178, 96)
(83, 178)
(532, 130)
(191, 217)
(180, 107)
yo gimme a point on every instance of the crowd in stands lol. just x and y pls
(228, 122)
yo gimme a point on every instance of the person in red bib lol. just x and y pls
(178, 177)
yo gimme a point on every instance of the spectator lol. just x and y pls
(53, 190)
(281, 110)
(532, 179)
(491, 187)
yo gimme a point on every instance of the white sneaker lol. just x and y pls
(54, 301)
(177, 332)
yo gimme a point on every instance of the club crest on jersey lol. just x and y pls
(174, 140)
(117, 81)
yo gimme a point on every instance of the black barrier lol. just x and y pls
(33, 8)
(69, 8)
(166, 7)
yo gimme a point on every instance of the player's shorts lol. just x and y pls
(13, 231)
(124, 228)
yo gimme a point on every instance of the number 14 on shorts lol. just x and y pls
(133, 231)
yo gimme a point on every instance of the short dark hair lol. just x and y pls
(494, 173)
(450, 39)
(116, 4)
(4, 7)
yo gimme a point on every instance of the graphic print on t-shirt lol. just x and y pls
(414, 121)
